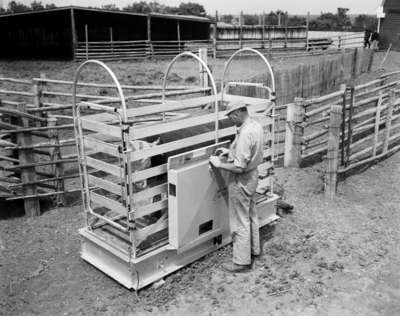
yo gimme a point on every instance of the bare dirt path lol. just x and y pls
(337, 257)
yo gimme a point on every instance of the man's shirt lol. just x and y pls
(246, 152)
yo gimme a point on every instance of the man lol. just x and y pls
(367, 36)
(243, 158)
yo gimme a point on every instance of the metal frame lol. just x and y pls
(210, 76)
(272, 99)
(121, 260)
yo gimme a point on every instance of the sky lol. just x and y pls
(248, 6)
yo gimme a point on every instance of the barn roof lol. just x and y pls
(157, 15)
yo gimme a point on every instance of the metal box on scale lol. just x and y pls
(197, 204)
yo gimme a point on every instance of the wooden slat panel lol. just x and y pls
(103, 166)
(148, 173)
(104, 184)
(150, 192)
(99, 146)
(169, 106)
(143, 233)
(182, 143)
(160, 128)
(148, 209)
(102, 201)
(101, 128)
(248, 100)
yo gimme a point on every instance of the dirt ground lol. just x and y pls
(338, 257)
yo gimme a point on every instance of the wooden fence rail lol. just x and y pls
(219, 47)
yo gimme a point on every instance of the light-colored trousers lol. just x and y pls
(244, 224)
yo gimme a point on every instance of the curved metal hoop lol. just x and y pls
(112, 75)
(248, 49)
(214, 87)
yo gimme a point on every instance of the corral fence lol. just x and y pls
(350, 127)
(40, 110)
(37, 145)
(277, 42)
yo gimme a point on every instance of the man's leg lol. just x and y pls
(255, 229)
(239, 207)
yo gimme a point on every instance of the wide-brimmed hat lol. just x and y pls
(235, 105)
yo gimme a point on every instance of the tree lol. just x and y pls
(17, 7)
(37, 5)
(296, 21)
(110, 7)
(50, 6)
(363, 21)
(343, 19)
(191, 8)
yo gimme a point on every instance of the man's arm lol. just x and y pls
(229, 166)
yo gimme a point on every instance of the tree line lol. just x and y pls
(185, 8)
(339, 21)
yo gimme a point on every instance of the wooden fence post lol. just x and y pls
(371, 59)
(269, 40)
(31, 204)
(294, 133)
(202, 70)
(355, 64)
(333, 151)
(388, 121)
(87, 41)
(55, 154)
(343, 88)
(263, 31)
(37, 88)
(214, 43)
(377, 123)
(350, 123)
(241, 29)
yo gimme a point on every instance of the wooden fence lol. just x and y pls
(37, 140)
(52, 146)
(274, 46)
(351, 127)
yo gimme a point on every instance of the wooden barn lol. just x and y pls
(390, 25)
(64, 33)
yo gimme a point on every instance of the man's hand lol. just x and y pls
(215, 161)
(222, 151)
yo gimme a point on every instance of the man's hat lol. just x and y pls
(235, 105)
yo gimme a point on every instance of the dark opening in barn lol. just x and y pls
(73, 32)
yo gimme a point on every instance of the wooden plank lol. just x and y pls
(148, 209)
(103, 166)
(99, 146)
(203, 153)
(182, 143)
(101, 128)
(103, 201)
(377, 123)
(143, 233)
(150, 172)
(150, 192)
(247, 100)
(160, 128)
(106, 185)
(169, 106)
